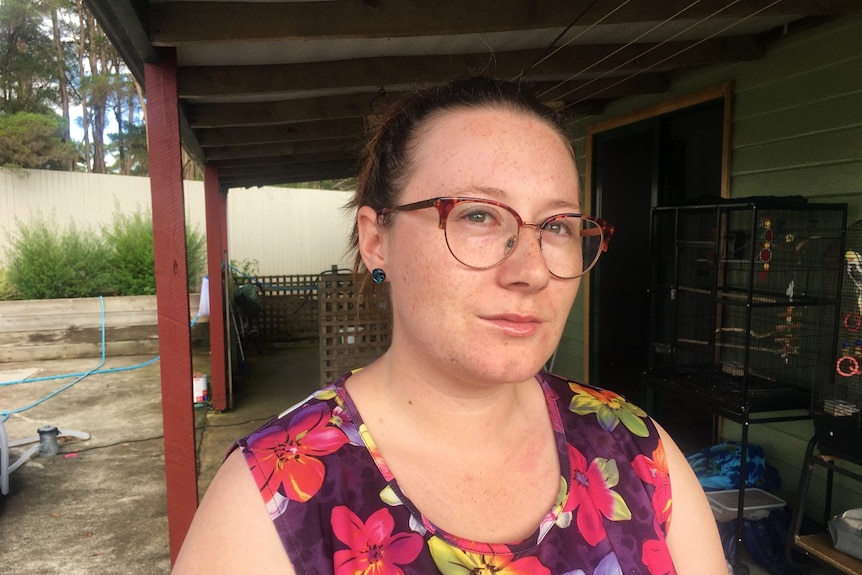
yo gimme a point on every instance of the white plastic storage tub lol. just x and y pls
(758, 503)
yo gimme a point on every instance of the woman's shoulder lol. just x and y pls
(582, 406)
(325, 406)
(586, 398)
(231, 505)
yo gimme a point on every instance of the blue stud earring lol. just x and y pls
(378, 275)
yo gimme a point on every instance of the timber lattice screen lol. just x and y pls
(288, 308)
(354, 329)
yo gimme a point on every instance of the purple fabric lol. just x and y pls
(338, 510)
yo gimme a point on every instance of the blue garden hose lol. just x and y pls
(80, 375)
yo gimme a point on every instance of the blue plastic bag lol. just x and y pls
(717, 467)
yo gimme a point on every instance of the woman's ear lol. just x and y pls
(371, 244)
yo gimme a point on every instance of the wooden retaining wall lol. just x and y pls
(37, 330)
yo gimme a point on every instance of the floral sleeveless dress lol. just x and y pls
(338, 509)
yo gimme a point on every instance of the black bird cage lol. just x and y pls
(837, 401)
(745, 299)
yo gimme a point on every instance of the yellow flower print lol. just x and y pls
(454, 561)
(610, 409)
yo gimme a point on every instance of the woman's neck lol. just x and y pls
(462, 453)
(442, 404)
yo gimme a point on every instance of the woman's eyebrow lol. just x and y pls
(495, 193)
(567, 205)
(500, 193)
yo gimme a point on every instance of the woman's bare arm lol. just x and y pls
(232, 531)
(693, 540)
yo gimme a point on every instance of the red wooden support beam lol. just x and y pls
(216, 212)
(172, 289)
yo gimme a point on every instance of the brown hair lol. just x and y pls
(388, 153)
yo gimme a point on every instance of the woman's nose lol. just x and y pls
(528, 261)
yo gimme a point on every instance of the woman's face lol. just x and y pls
(486, 326)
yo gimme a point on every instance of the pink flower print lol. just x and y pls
(610, 409)
(455, 561)
(655, 472)
(374, 550)
(656, 557)
(591, 495)
(287, 459)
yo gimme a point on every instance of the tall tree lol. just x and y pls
(61, 50)
(27, 72)
(128, 144)
(98, 89)
(30, 140)
(54, 57)
(82, 74)
(32, 135)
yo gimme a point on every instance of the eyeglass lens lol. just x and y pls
(482, 235)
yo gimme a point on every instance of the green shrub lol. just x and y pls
(196, 255)
(130, 242)
(7, 290)
(129, 239)
(247, 267)
(47, 262)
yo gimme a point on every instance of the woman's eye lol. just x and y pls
(559, 227)
(479, 216)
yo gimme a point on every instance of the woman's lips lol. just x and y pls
(516, 324)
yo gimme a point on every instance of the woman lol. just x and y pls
(449, 453)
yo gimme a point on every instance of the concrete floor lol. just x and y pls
(99, 507)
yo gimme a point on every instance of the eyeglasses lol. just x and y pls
(482, 233)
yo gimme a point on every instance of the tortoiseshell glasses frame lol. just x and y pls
(482, 233)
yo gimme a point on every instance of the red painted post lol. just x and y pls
(216, 212)
(169, 245)
(225, 298)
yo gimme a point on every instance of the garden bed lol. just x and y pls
(37, 330)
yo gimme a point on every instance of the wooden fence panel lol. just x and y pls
(354, 330)
(288, 313)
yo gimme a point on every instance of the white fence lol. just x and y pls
(287, 230)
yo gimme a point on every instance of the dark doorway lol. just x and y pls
(669, 159)
(625, 169)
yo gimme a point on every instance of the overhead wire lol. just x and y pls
(677, 53)
(626, 45)
(548, 51)
(650, 49)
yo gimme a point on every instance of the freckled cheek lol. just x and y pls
(431, 297)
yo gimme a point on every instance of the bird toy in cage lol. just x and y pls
(765, 255)
(786, 330)
(848, 364)
(854, 270)
(784, 333)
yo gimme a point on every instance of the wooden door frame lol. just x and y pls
(721, 91)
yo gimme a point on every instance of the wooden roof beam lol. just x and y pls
(339, 129)
(173, 23)
(285, 111)
(303, 172)
(347, 147)
(214, 81)
(177, 23)
(235, 174)
(365, 104)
